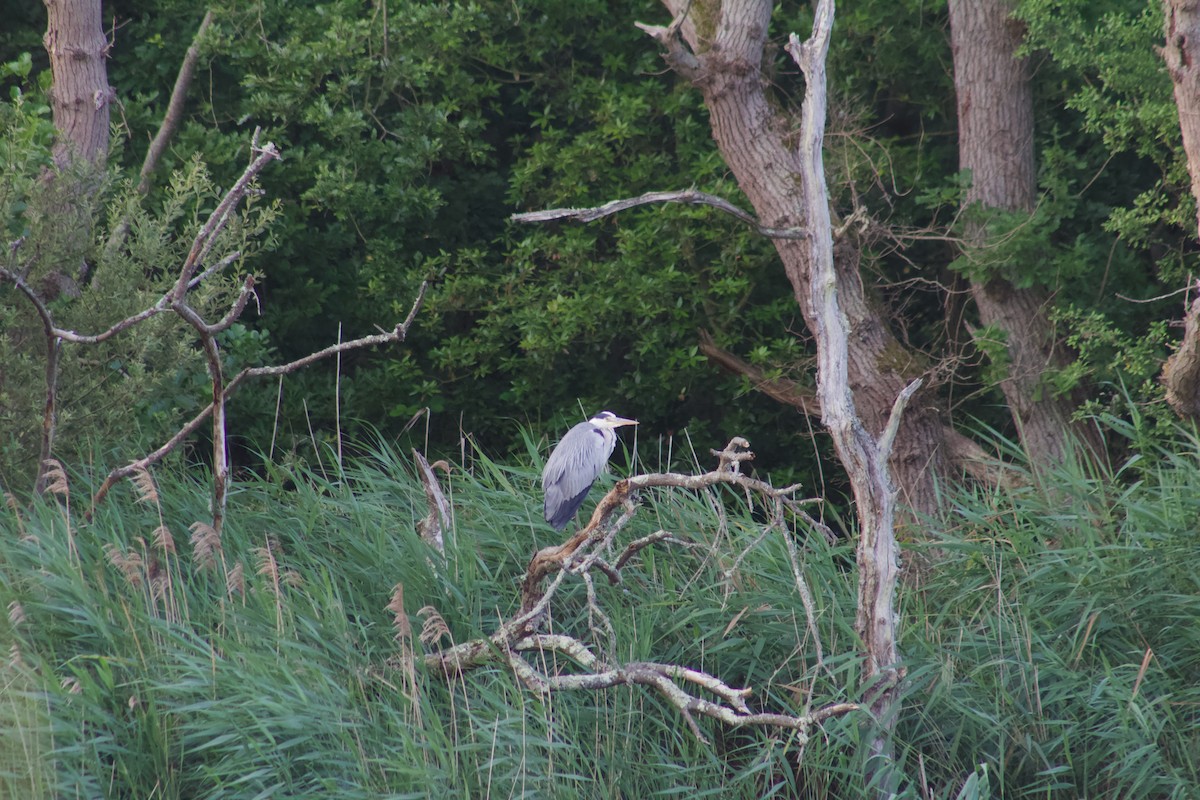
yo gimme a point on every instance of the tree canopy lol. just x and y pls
(411, 132)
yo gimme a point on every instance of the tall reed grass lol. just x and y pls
(1052, 651)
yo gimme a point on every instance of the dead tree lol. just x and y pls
(786, 183)
(201, 264)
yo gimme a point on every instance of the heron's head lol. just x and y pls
(609, 420)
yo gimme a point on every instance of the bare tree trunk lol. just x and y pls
(754, 136)
(1181, 51)
(80, 95)
(865, 456)
(1181, 373)
(995, 142)
(856, 354)
(79, 100)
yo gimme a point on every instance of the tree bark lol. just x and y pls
(857, 358)
(1181, 51)
(1181, 372)
(995, 142)
(80, 96)
(864, 455)
(723, 59)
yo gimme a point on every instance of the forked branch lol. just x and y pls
(398, 334)
(579, 555)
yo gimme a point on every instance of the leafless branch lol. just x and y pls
(78, 338)
(216, 267)
(730, 708)
(396, 335)
(637, 545)
(862, 456)
(235, 310)
(687, 197)
(893, 424)
(174, 114)
(806, 598)
(680, 58)
(678, 685)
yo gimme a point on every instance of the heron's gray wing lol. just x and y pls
(572, 469)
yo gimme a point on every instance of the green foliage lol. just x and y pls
(412, 130)
(1104, 56)
(406, 145)
(1108, 356)
(992, 342)
(1106, 43)
(24, 145)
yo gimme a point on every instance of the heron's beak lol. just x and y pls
(620, 421)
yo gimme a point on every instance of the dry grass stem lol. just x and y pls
(267, 563)
(163, 540)
(400, 621)
(235, 581)
(128, 564)
(11, 502)
(56, 478)
(434, 628)
(147, 491)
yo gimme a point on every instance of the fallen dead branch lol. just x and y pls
(517, 638)
(438, 520)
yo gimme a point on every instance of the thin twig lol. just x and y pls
(893, 424)
(396, 335)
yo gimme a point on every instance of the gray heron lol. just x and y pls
(575, 464)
